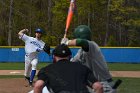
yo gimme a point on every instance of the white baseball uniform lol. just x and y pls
(32, 47)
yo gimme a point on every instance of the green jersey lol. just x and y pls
(94, 59)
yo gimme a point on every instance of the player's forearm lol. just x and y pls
(38, 87)
(21, 32)
(72, 42)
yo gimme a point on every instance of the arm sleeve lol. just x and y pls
(83, 43)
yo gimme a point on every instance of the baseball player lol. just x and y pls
(91, 56)
(33, 45)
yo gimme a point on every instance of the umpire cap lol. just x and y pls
(62, 50)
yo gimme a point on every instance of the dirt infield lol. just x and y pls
(15, 85)
(19, 85)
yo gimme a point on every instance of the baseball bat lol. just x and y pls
(69, 16)
(116, 84)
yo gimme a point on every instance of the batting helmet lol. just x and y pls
(82, 32)
(38, 30)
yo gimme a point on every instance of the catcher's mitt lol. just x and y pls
(46, 48)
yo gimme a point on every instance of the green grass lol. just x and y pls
(18, 66)
(112, 66)
(123, 67)
(129, 85)
(12, 76)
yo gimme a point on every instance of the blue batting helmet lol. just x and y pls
(38, 30)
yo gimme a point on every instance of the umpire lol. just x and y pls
(64, 76)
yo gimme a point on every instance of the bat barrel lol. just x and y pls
(116, 84)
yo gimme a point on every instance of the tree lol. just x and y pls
(113, 22)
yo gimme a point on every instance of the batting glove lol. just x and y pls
(65, 41)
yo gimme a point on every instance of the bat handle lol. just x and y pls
(65, 35)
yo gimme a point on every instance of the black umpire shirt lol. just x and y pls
(69, 77)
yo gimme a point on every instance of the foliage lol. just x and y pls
(134, 38)
(125, 17)
(110, 20)
(111, 41)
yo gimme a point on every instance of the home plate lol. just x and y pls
(15, 72)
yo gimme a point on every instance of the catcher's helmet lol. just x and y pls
(38, 30)
(82, 32)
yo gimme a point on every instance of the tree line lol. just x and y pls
(113, 22)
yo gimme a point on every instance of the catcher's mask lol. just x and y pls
(82, 32)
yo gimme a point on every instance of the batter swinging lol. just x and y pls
(90, 55)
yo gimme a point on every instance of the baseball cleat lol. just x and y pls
(27, 79)
(31, 84)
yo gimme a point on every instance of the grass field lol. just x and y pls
(129, 85)
(17, 66)
(123, 67)
(112, 66)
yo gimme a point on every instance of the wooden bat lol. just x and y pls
(69, 17)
